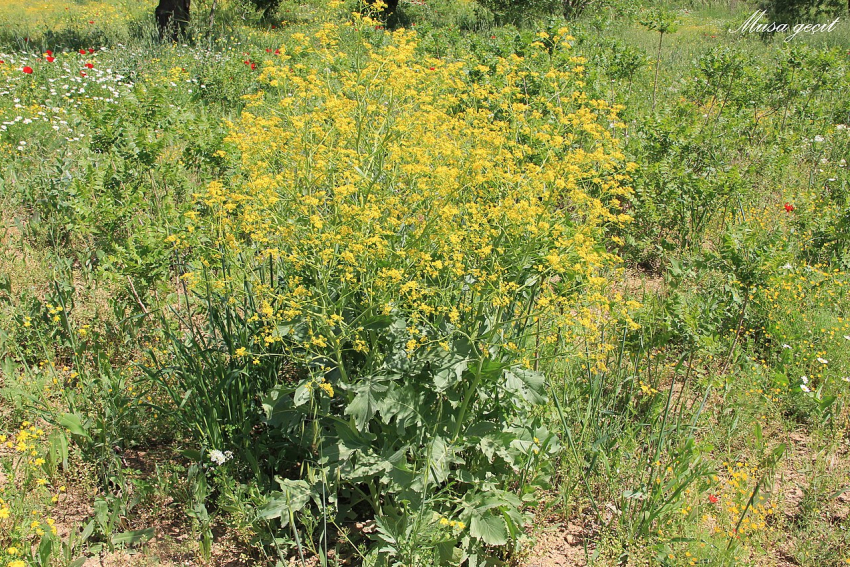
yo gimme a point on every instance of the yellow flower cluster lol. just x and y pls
(419, 189)
(25, 495)
(732, 504)
(460, 526)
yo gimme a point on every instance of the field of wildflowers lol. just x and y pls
(464, 285)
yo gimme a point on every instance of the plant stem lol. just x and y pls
(657, 67)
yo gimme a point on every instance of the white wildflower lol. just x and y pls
(218, 457)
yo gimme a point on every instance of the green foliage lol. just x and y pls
(796, 11)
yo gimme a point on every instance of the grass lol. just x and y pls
(225, 336)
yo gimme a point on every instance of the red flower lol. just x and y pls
(91, 50)
(48, 52)
(789, 207)
(50, 59)
(89, 65)
(91, 21)
(431, 68)
(277, 51)
(713, 499)
(27, 70)
(82, 73)
(82, 52)
(253, 66)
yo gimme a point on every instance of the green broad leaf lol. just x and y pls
(481, 429)
(293, 496)
(448, 369)
(366, 400)
(73, 423)
(489, 528)
(192, 454)
(303, 394)
(133, 537)
(45, 549)
(439, 459)
(404, 404)
(87, 531)
(449, 553)
(368, 466)
(78, 562)
(527, 384)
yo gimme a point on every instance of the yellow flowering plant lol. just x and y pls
(398, 237)
(27, 495)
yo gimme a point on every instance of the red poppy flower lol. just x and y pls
(91, 50)
(431, 68)
(89, 65)
(253, 66)
(82, 73)
(27, 70)
(91, 21)
(277, 51)
(789, 207)
(82, 52)
(50, 59)
(48, 52)
(713, 499)
(274, 27)
(268, 50)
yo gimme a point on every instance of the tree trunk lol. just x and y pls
(172, 18)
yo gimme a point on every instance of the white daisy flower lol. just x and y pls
(822, 360)
(805, 388)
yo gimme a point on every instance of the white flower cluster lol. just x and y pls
(219, 457)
